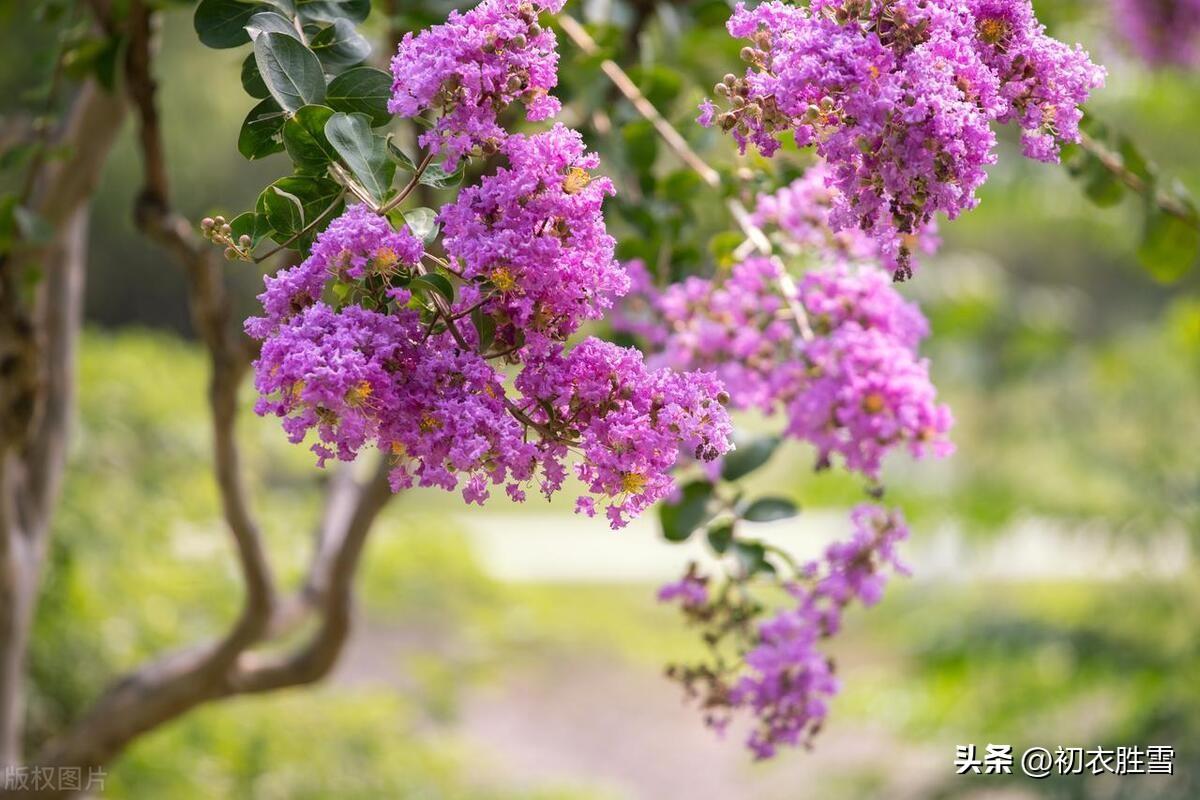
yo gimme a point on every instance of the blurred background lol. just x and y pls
(517, 652)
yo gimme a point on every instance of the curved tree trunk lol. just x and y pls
(37, 357)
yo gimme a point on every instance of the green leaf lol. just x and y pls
(641, 147)
(364, 152)
(333, 10)
(362, 90)
(252, 80)
(250, 224)
(750, 454)
(1101, 186)
(271, 22)
(720, 537)
(434, 282)
(1169, 245)
(98, 56)
(291, 204)
(770, 509)
(422, 223)
(304, 138)
(753, 557)
(290, 70)
(434, 175)
(485, 328)
(680, 520)
(340, 46)
(222, 23)
(723, 246)
(1134, 161)
(660, 84)
(259, 136)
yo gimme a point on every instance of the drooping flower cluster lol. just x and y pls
(856, 388)
(629, 423)
(798, 219)
(898, 97)
(1161, 32)
(382, 368)
(534, 235)
(468, 69)
(785, 680)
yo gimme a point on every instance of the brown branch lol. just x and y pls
(169, 687)
(37, 352)
(1115, 164)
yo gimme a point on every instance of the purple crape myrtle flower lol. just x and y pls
(784, 679)
(1163, 33)
(356, 245)
(533, 235)
(691, 591)
(856, 390)
(798, 219)
(372, 370)
(468, 69)
(898, 97)
(630, 423)
(788, 680)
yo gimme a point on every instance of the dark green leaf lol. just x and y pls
(1134, 161)
(770, 509)
(362, 90)
(1101, 186)
(422, 223)
(750, 454)
(291, 204)
(753, 557)
(259, 136)
(290, 70)
(679, 520)
(641, 146)
(271, 22)
(364, 152)
(434, 282)
(485, 328)
(250, 224)
(1169, 245)
(304, 138)
(252, 80)
(720, 537)
(437, 178)
(222, 23)
(332, 10)
(340, 46)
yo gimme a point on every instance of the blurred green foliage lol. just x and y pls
(1074, 374)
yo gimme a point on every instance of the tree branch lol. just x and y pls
(169, 687)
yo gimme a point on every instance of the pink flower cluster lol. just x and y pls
(470, 68)
(797, 217)
(382, 376)
(788, 681)
(856, 389)
(784, 679)
(533, 234)
(898, 96)
(1161, 32)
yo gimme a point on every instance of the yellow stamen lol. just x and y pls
(503, 279)
(873, 403)
(577, 178)
(632, 482)
(359, 393)
(385, 260)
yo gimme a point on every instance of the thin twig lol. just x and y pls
(410, 186)
(754, 235)
(1116, 165)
